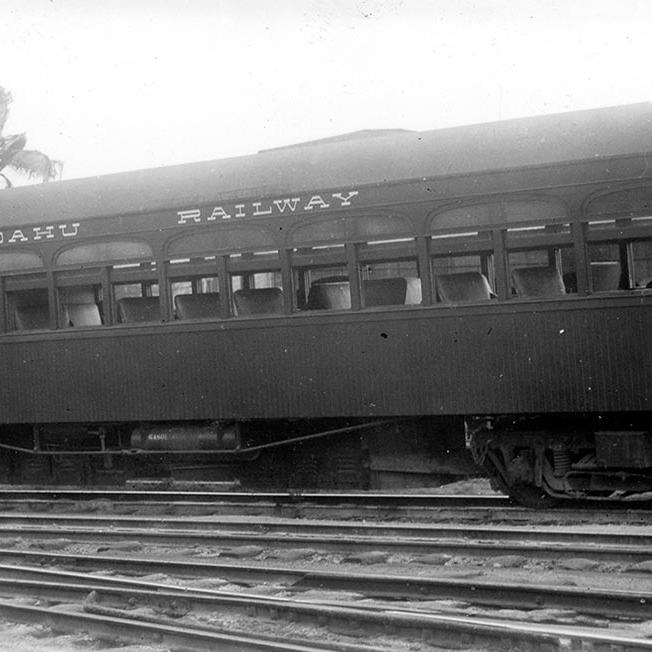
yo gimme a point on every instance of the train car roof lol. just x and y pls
(342, 162)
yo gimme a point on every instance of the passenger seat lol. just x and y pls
(532, 282)
(139, 309)
(197, 306)
(605, 275)
(258, 301)
(463, 286)
(329, 295)
(384, 291)
(36, 317)
(83, 314)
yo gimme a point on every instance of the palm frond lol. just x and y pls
(9, 147)
(5, 101)
(33, 163)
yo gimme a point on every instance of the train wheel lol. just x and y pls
(523, 494)
(532, 497)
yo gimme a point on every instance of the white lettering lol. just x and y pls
(315, 200)
(18, 235)
(257, 211)
(184, 216)
(2, 237)
(218, 211)
(46, 232)
(282, 204)
(346, 201)
(68, 234)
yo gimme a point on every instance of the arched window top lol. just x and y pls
(222, 241)
(15, 261)
(629, 202)
(360, 228)
(103, 252)
(499, 212)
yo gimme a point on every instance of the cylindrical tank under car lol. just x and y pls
(185, 437)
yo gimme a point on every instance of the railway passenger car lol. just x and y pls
(346, 312)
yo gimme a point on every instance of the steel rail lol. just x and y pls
(340, 543)
(604, 602)
(371, 619)
(186, 638)
(286, 526)
(283, 498)
(367, 513)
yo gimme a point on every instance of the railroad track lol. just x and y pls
(609, 602)
(110, 601)
(278, 534)
(424, 508)
(70, 575)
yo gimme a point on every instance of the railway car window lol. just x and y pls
(606, 267)
(328, 290)
(321, 268)
(81, 305)
(323, 288)
(135, 292)
(624, 241)
(541, 260)
(129, 290)
(463, 278)
(137, 302)
(257, 293)
(389, 272)
(641, 253)
(97, 277)
(321, 278)
(194, 287)
(195, 297)
(200, 285)
(539, 273)
(390, 283)
(256, 283)
(28, 309)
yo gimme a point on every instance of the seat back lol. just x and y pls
(413, 294)
(83, 314)
(605, 275)
(384, 291)
(538, 282)
(32, 317)
(463, 286)
(329, 295)
(139, 309)
(80, 305)
(197, 306)
(258, 301)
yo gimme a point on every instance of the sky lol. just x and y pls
(120, 85)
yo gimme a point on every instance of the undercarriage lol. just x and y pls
(317, 454)
(540, 461)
